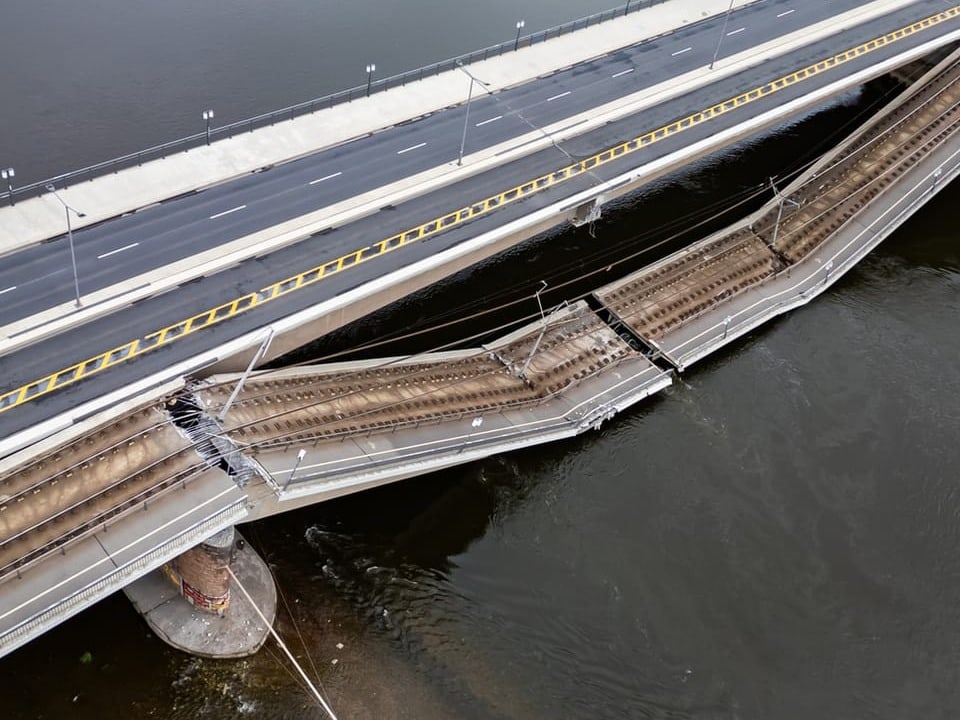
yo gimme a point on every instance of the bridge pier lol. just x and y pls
(201, 574)
(192, 604)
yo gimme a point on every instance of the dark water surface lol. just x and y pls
(774, 537)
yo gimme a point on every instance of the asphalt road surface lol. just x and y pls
(40, 277)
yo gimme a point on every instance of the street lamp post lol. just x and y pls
(8, 174)
(371, 69)
(522, 373)
(466, 116)
(516, 42)
(257, 357)
(67, 209)
(208, 116)
(723, 31)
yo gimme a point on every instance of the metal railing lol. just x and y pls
(305, 108)
(117, 578)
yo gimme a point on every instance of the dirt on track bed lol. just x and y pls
(76, 488)
(326, 402)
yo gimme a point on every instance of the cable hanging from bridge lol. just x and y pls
(749, 196)
(283, 646)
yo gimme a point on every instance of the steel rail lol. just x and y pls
(896, 170)
(100, 518)
(419, 392)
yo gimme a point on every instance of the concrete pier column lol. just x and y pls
(201, 573)
(212, 623)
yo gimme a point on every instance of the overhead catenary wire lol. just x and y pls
(526, 298)
(350, 391)
(283, 646)
(274, 440)
(147, 343)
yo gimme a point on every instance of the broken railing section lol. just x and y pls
(209, 439)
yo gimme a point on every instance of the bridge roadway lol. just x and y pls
(523, 105)
(165, 233)
(287, 191)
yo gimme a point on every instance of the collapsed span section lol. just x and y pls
(526, 368)
(327, 430)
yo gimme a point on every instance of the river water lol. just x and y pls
(774, 537)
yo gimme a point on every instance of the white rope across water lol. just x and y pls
(283, 646)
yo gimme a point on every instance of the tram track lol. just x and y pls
(80, 488)
(522, 372)
(662, 297)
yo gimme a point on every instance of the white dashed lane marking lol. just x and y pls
(325, 177)
(118, 250)
(493, 119)
(412, 147)
(227, 212)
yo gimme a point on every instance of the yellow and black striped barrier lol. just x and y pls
(134, 348)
